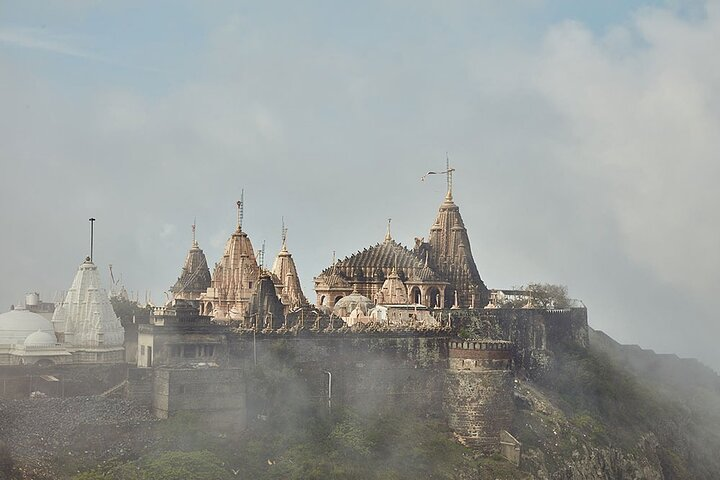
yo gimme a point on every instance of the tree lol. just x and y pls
(547, 295)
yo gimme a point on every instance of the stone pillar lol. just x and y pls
(479, 391)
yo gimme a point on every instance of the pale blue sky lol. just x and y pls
(585, 136)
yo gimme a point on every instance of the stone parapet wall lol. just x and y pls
(534, 332)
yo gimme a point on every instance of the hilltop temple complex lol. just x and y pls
(439, 273)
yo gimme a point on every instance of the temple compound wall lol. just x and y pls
(463, 372)
(216, 394)
(534, 332)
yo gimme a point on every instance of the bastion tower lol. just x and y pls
(478, 393)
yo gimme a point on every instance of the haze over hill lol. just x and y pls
(584, 138)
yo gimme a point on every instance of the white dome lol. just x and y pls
(349, 302)
(40, 339)
(16, 325)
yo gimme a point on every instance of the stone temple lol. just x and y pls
(438, 273)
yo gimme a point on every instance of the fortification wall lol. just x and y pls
(366, 370)
(534, 332)
(73, 380)
(216, 394)
(478, 393)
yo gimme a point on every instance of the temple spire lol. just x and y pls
(388, 237)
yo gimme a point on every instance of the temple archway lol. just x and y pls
(415, 295)
(449, 297)
(433, 297)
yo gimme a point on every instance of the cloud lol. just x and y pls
(583, 157)
(643, 125)
(41, 39)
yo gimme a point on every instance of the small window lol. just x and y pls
(208, 350)
(249, 284)
(189, 351)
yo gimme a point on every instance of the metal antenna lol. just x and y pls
(261, 256)
(449, 172)
(449, 176)
(92, 235)
(193, 232)
(284, 235)
(240, 207)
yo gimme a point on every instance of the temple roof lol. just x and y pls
(86, 316)
(195, 275)
(388, 254)
(284, 273)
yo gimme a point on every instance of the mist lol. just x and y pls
(584, 144)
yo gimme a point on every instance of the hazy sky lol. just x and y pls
(585, 136)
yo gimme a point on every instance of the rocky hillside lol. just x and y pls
(610, 413)
(617, 412)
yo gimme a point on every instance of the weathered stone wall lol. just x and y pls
(534, 332)
(478, 396)
(139, 387)
(217, 394)
(74, 380)
(366, 370)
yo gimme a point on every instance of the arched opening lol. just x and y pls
(415, 295)
(433, 297)
(337, 299)
(323, 300)
(449, 297)
(208, 309)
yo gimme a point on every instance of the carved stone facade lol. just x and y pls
(440, 273)
(195, 277)
(233, 281)
(286, 280)
(85, 321)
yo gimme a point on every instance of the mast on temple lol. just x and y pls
(240, 209)
(449, 251)
(388, 237)
(92, 239)
(449, 173)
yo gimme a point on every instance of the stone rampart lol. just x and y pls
(218, 395)
(478, 393)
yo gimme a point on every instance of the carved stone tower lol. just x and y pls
(450, 255)
(195, 278)
(234, 278)
(286, 280)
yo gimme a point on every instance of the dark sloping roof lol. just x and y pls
(383, 255)
(195, 276)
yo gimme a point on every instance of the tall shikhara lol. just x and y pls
(85, 320)
(286, 280)
(234, 279)
(195, 278)
(449, 254)
(437, 273)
